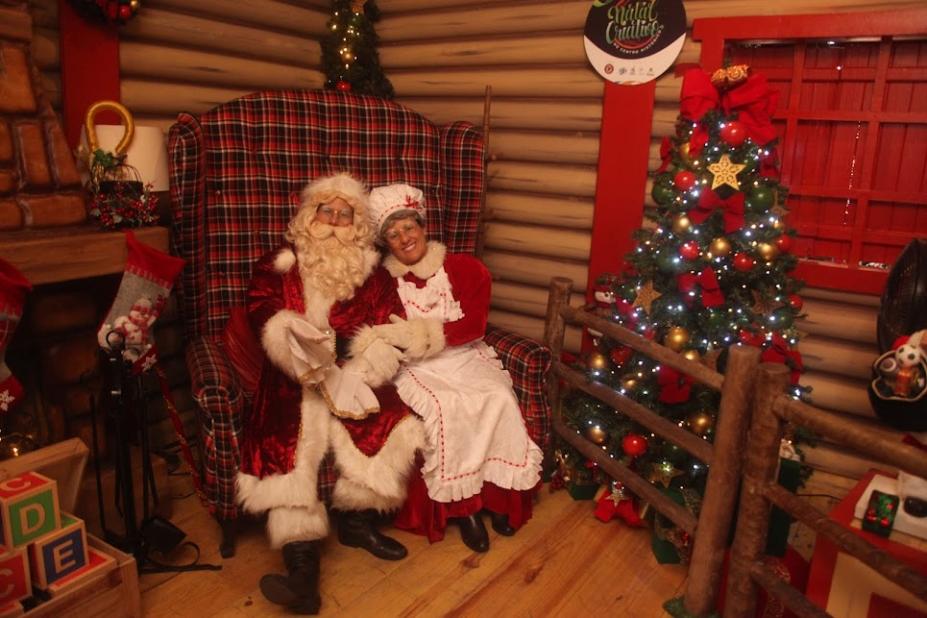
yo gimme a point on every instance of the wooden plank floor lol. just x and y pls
(564, 562)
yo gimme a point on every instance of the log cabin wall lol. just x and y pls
(546, 111)
(45, 47)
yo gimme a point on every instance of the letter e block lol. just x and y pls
(58, 553)
(14, 575)
(28, 508)
(98, 565)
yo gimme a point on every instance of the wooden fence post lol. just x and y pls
(712, 534)
(760, 462)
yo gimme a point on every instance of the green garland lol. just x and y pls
(349, 50)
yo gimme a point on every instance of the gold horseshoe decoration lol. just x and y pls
(127, 121)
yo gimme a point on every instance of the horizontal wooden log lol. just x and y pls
(533, 328)
(15, 24)
(574, 180)
(849, 298)
(531, 270)
(162, 122)
(537, 240)
(160, 98)
(45, 49)
(482, 20)
(843, 358)
(841, 462)
(524, 299)
(553, 114)
(146, 60)
(562, 211)
(838, 393)
(546, 147)
(191, 32)
(574, 81)
(286, 16)
(44, 13)
(838, 320)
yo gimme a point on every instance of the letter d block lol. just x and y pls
(58, 553)
(14, 575)
(28, 508)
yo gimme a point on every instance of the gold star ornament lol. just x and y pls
(725, 173)
(664, 473)
(645, 296)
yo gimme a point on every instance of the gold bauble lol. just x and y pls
(629, 382)
(681, 224)
(692, 355)
(134, 4)
(720, 247)
(778, 224)
(767, 250)
(597, 434)
(684, 153)
(676, 339)
(597, 360)
(15, 444)
(700, 422)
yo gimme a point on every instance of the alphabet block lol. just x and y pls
(58, 553)
(28, 508)
(97, 565)
(14, 575)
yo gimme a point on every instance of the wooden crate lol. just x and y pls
(111, 592)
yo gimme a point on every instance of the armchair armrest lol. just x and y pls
(528, 362)
(221, 403)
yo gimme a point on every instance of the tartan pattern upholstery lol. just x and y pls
(236, 175)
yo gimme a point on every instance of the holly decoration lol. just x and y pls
(112, 12)
(349, 50)
(118, 199)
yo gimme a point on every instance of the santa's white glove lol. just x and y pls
(310, 351)
(377, 363)
(418, 337)
(346, 393)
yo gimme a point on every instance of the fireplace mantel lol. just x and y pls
(51, 255)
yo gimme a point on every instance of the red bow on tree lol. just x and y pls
(707, 281)
(754, 101)
(769, 165)
(698, 95)
(733, 209)
(779, 351)
(697, 141)
(675, 387)
(666, 147)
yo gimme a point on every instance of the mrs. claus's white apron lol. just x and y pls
(474, 428)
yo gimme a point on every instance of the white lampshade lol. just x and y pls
(147, 152)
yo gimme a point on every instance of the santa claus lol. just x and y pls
(306, 300)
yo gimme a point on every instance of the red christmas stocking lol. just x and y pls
(143, 292)
(13, 288)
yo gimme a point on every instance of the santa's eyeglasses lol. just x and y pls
(330, 215)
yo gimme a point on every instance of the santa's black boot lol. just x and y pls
(357, 529)
(298, 590)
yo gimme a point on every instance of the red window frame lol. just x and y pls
(718, 34)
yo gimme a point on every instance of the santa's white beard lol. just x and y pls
(330, 259)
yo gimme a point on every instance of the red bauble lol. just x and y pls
(634, 444)
(684, 180)
(743, 262)
(343, 86)
(125, 12)
(734, 133)
(690, 250)
(784, 243)
(620, 355)
(112, 10)
(795, 302)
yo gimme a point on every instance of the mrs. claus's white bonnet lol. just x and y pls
(391, 199)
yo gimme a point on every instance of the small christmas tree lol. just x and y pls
(349, 50)
(710, 271)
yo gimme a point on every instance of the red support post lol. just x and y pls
(89, 68)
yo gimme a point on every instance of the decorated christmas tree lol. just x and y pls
(349, 50)
(710, 270)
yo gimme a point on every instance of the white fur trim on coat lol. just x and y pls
(297, 488)
(286, 524)
(284, 260)
(379, 481)
(424, 268)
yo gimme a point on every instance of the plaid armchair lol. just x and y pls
(236, 174)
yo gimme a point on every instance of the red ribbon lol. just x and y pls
(753, 100)
(675, 387)
(776, 350)
(606, 510)
(769, 165)
(698, 141)
(666, 148)
(733, 209)
(707, 281)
